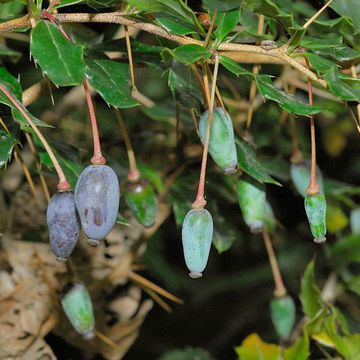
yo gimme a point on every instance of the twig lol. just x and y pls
(117, 18)
(150, 285)
(255, 70)
(158, 300)
(314, 17)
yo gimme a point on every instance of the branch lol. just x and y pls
(280, 54)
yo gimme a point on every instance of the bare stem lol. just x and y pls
(97, 158)
(255, 71)
(63, 184)
(134, 173)
(280, 289)
(200, 201)
(131, 64)
(313, 187)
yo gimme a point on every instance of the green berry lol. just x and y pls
(300, 176)
(197, 234)
(283, 315)
(252, 200)
(315, 207)
(140, 197)
(78, 308)
(221, 144)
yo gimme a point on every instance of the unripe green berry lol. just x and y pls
(197, 234)
(315, 207)
(283, 315)
(140, 197)
(78, 308)
(252, 200)
(221, 144)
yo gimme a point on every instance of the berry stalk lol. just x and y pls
(200, 201)
(280, 289)
(134, 173)
(313, 187)
(63, 184)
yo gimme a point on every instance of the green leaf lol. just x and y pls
(234, 67)
(346, 250)
(64, 3)
(188, 54)
(111, 80)
(12, 84)
(316, 43)
(299, 350)
(310, 295)
(319, 63)
(339, 87)
(349, 8)
(19, 118)
(173, 8)
(183, 86)
(186, 354)
(225, 233)
(253, 348)
(220, 5)
(7, 143)
(152, 175)
(174, 27)
(61, 60)
(225, 21)
(248, 162)
(121, 220)
(286, 101)
(336, 219)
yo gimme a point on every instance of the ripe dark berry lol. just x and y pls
(97, 197)
(63, 224)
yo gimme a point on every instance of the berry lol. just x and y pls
(140, 197)
(197, 234)
(315, 207)
(78, 308)
(300, 176)
(63, 224)
(97, 197)
(283, 315)
(252, 200)
(221, 144)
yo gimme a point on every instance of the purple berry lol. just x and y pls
(63, 224)
(97, 197)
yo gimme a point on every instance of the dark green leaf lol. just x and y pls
(186, 354)
(319, 63)
(188, 54)
(12, 84)
(63, 3)
(7, 143)
(234, 67)
(339, 87)
(19, 118)
(225, 21)
(61, 60)
(288, 102)
(111, 80)
(346, 250)
(174, 8)
(248, 162)
(316, 43)
(174, 27)
(183, 86)
(220, 5)
(310, 295)
(349, 8)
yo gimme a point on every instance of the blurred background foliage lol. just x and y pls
(232, 300)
